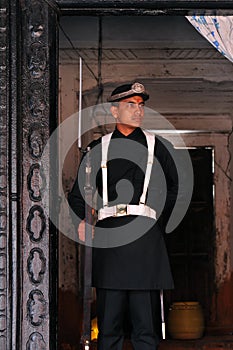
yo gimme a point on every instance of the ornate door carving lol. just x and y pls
(27, 117)
(5, 332)
(38, 116)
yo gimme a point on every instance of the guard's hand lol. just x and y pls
(81, 230)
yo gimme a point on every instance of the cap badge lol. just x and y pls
(138, 88)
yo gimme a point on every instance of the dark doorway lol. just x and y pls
(191, 245)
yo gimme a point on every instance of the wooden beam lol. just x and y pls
(145, 7)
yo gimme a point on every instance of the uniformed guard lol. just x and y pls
(136, 181)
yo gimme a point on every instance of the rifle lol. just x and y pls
(85, 341)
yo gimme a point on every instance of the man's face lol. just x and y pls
(129, 113)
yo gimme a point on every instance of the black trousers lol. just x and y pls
(136, 312)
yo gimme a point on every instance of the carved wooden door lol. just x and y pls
(37, 171)
(27, 117)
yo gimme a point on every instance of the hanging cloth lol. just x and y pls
(218, 30)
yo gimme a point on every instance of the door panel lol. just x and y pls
(191, 245)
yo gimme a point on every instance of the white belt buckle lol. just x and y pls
(121, 209)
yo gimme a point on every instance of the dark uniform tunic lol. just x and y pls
(129, 252)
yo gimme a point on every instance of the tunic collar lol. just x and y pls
(134, 135)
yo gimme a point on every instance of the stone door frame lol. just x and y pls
(28, 115)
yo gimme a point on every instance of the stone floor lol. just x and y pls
(205, 343)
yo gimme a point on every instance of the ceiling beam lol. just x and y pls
(145, 7)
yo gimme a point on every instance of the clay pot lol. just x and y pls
(186, 320)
